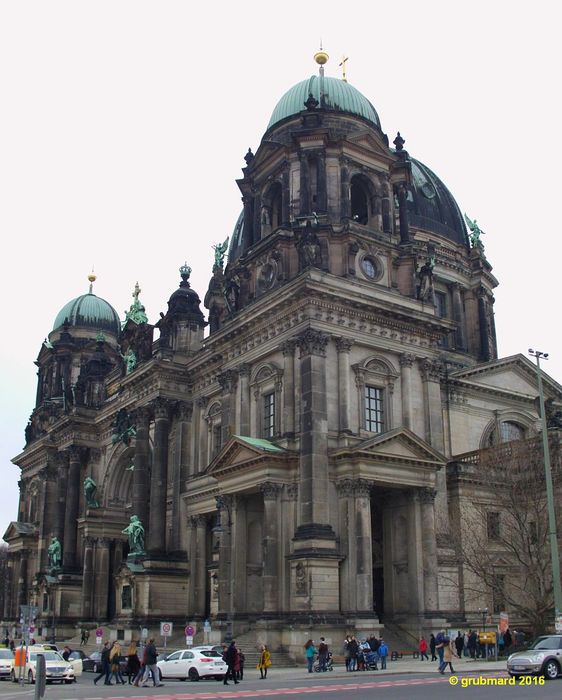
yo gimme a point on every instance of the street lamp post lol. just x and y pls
(224, 505)
(555, 561)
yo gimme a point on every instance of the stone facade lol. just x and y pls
(290, 466)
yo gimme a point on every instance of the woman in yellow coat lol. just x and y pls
(265, 661)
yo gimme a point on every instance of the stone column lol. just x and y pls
(314, 442)
(183, 467)
(225, 551)
(458, 316)
(406, 362)
(322, 191)
(191, 546)
(485, 353)
(415, 555)
(62, 481)
(9, 589)
(403, 213)
(22, 577)
(199, 565)
(228, 381)
(244, 374)
(159, 478)
(363, 545)
(88, 578)
(271, 492)
(141, 489)
(238, 554)
(50, 510)
(101, 578)
(288, 349)
(304, 194)
(345, 195)
(429, 549)
(71, 511)
(344, 346)
(348, 567)
(201, 449)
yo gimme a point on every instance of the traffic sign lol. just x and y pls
(166, 629)
(144, 633)
(188, 641)
(189, 631)
(98, 640)
(99, 632)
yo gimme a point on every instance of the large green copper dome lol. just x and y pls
(89, 311)
(338, 95)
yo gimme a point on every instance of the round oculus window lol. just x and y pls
(370, 267)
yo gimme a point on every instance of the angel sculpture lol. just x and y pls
(475, 233)
(220, 250)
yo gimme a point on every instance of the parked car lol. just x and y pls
(542, 657)
(57, 669)
(6, 661)
(92, 663)
(193, 664)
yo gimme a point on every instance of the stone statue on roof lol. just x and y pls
(135, 532)
(90, 488)
(54, 553)
(137, 311)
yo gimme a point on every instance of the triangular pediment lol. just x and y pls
(17, 530)
(515, 374)
(241, 450)
(368, 142)
(399, 444)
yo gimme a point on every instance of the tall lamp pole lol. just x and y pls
(537, 354)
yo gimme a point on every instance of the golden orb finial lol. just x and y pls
(321, 57)
(91, 279)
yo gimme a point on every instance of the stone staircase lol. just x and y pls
(249, 644)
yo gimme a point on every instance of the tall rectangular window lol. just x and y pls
(269, 415)
(374, 410)
(493, 525)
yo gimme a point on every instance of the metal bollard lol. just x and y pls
(40, 677)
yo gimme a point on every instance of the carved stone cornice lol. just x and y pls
(313, 342)
(228, 380)
(270, 490)
(344, 344)
(184, 410)
(406, 359)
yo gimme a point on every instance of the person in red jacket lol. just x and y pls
(423, 649)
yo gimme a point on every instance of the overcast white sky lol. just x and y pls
(123, 126)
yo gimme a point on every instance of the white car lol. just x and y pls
(193, 664)
(6, 662)
(57, 670)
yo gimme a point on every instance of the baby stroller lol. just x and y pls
(370, 659)
(329, 664)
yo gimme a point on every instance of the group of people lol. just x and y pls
(234, 659)
(365, 654)
(468, 644)
(139, 671)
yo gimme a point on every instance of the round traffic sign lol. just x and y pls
(166, 627)
(99, 632)
(189, 631)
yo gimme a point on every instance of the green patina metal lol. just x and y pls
(90, 311)
(338, 95)
(137, 311)
(260, 443)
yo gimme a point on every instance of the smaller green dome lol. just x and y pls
(339, 96)
(89, 311)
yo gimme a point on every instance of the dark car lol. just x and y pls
(542, 657)
(92, 663)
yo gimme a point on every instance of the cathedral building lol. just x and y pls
(290, 460)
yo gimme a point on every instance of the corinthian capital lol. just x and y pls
(228, 380)
(313, 342)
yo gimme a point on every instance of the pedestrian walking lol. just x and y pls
(440, 641)
(459, 643)
(150, 667)
(104, 666)
(448, 654)
(133, 662)
(230, 657)
(310, 651)
(115, 668)
(322, 654)
(346, 651)
(423, 649)
(265, 661)
(241, 660)
(432, 645)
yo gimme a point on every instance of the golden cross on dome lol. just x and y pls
(342, 64)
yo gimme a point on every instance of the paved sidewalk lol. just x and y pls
(461, 666)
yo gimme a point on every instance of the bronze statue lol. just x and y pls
(475, 233)
(135, 532)
(55, 553)
(90, 488)
(220, 250)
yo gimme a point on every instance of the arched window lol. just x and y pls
(359, 200)
(506, 431)
(271, 212)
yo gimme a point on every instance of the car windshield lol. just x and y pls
(6, 654)
(546, 643)
(49, 656)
